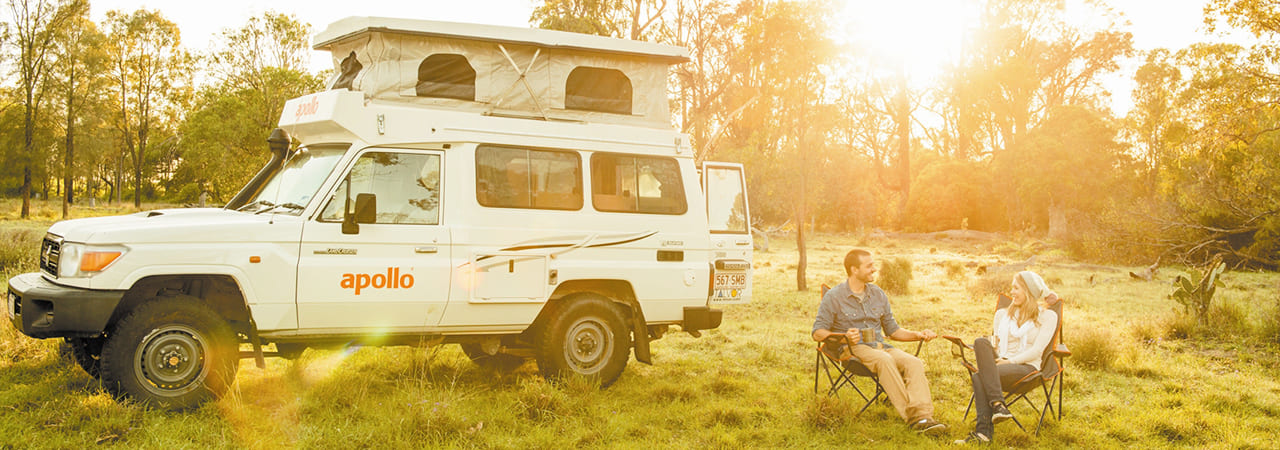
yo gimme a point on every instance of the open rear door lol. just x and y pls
(729, 221)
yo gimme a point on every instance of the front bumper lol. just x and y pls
(42, 309)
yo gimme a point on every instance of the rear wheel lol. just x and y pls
(87, 352)
(586, 336)
(172, 353)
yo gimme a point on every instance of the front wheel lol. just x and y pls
(586, 336)
(172, 353)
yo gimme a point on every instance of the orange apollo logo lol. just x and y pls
(307, 108)
(390, 280)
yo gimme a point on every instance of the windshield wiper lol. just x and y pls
(289, 205)
(256, 203)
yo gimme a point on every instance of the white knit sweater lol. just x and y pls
(1023, 344)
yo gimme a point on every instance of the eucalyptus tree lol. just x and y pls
(254, 70)
(35, 23)
(149, 71)
(77, 78)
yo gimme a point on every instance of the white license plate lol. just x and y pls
(729, 285)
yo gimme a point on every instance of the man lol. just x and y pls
(857, 304)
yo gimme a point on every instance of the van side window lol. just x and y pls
(640, 184)
(407, 186)
(522, 178)
(446, 75)
(597, 89)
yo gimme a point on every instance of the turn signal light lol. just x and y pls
(95, 261)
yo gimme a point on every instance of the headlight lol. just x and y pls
(81, 260)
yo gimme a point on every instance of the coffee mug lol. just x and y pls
(868, 336)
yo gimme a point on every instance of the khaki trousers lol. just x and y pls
(902, 376)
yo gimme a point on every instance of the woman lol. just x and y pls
(1020, 334)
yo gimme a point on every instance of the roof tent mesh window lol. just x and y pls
(597, 89)
(446, 75)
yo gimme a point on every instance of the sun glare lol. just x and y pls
(922, 36)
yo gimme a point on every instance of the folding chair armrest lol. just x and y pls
(1061, 350)
(957, 340)
(958, 352)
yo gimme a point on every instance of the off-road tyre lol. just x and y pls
(586, 335)
(87, 353)
(171, 353)
(500, 362)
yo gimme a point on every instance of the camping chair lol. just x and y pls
(1049, 377)
(841, 367)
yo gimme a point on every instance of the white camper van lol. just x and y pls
(519, 192)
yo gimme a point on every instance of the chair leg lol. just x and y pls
(967, 408)
(816, 364)
(1061, 381)
(1048, 404)
(876, 396)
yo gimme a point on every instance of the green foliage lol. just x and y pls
(895, 275)
(947, 192)
(1195, 290)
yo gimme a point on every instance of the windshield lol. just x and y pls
(290, 189)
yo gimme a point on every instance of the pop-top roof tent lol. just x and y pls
(503, 70)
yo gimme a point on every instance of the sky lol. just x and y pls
(1155, 23)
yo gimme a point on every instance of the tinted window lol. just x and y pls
(596, 89)
(446, 75)
(407, 186)
(626, 183)
(524, 178)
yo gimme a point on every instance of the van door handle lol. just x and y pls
(431, 249)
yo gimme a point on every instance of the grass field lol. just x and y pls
(1141, 376)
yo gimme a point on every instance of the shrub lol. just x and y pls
(1094, 348)
(1195, 291)
(895, 276)
(955, 270)
(988, 285)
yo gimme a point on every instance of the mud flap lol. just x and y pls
(640, 334)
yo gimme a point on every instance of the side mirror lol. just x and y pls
(366, 212)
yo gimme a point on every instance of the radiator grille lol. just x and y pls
(50, 254)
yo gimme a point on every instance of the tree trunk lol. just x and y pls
(67, 177)
(1059, 228)
(801, 285)
(27, 146)
(902, 118)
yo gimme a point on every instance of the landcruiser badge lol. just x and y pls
(390, 280)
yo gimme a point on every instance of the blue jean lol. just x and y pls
(988, 383)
